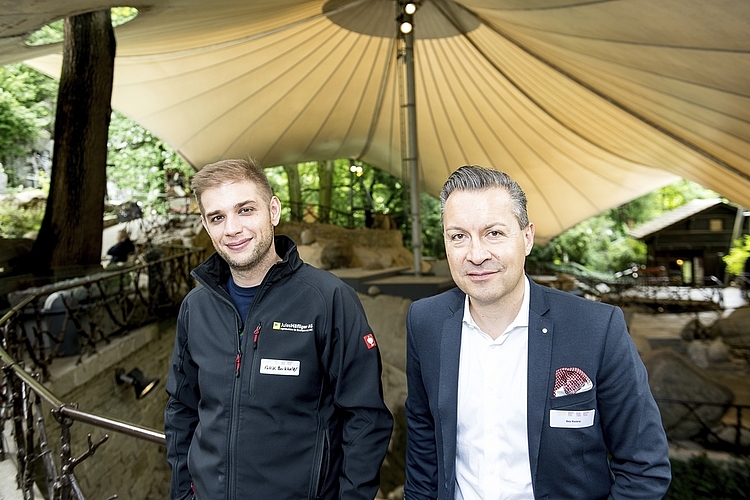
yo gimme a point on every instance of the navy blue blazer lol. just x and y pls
(624, 454)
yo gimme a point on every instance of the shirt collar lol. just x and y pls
(520, 321)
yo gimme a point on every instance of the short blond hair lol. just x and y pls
(229, 171)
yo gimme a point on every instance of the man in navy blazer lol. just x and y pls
(516, 390)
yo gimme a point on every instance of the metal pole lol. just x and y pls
(351, 194)
(412, 154)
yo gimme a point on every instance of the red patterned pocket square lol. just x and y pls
(571, 381)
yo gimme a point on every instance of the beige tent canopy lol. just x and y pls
(588, 104)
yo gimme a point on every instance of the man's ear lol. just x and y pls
(274, 209)
(528, 235)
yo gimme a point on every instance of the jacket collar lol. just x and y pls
(214, 271)
(541, 330)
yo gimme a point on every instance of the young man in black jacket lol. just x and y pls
(274, 387)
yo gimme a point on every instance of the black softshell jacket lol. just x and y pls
(288, 407)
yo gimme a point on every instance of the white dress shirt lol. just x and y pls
(492, 450)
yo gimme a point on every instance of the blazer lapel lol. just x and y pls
(450, 349)
(540, 357)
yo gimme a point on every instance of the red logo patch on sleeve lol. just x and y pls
(370, 341)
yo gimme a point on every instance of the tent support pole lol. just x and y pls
(411, 156)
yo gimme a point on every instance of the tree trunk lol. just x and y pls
(325, 191)
(295, 191)
(70, 239)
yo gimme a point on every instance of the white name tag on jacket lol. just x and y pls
(571, 419)
(279, 367)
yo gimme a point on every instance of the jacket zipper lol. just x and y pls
(236, 397)
(236, 394)
(323, 465)
(253, 371)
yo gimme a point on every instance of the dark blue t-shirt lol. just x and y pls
(242, 297)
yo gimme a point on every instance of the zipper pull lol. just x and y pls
(238, 358)
(256, 333)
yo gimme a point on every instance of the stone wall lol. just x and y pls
(131, 468)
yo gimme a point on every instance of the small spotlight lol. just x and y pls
(410, 8)
(406, 27)
(141, 384)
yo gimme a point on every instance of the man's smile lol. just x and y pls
(238, 245)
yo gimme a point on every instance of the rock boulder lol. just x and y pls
(673, 377)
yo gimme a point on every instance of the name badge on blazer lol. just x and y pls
(571, 419)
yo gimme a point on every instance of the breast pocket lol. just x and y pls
(575, 411)
(584, 400)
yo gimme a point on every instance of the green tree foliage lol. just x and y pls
(358, 199)
(738, 255)
(27, 103)
(16, 222)
(601, 243)
(350, 193)
(17, 127)
(138, 164)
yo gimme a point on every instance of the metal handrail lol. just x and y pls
(119, 300)
(74, 414)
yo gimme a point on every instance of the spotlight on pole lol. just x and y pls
(141, 383)
(405, 20)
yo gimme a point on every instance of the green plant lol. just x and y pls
(702, 479)
(16, 221)
(740, 252)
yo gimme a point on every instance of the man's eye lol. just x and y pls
(457, 237)
(217, 218)
(245, 210)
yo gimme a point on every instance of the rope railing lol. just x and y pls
(69, 319)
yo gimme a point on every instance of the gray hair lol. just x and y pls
(476, 178)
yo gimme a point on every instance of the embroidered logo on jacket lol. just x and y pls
(370, 341)
(292, 327)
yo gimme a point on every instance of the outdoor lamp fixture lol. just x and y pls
(138, 380)
(356, 170)
(405, 21)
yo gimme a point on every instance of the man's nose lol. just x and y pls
(478, 251)
(232, 225)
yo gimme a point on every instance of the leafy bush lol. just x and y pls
(737, 256)
(702, 479)
(16, 221)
